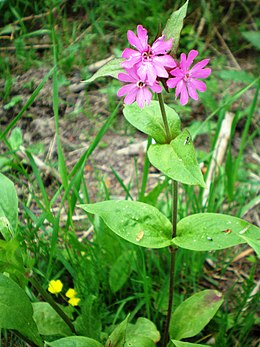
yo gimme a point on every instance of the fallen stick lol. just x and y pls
(218, 153)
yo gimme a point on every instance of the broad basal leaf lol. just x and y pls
(16, 310)
(213, 231)
(145, 328)
(136, 222)
(112, 69)
(177, 160)
(8, 201)
(48, 321)
(174, 26)
(120, 271)
(74, 341)
(139, 341)
(192, 315)
(149, 120)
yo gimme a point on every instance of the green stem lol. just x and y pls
(164, 117)
(172, 261)
(50, 300)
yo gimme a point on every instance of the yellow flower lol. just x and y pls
(74, 301)
(55, 287)
(71, 293)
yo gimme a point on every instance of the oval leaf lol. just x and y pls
(16, 310)
(177, 160)
(112, 69)
(74, 341)
(136, 222)
(200, 308)
(143, 341)
(8, 201)
(48, 321)
(186, 344)
(213, 231)
(255, 244)
(174, 26)
(144, 327)
(149, 120)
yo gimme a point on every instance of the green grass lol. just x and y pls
(87, 266)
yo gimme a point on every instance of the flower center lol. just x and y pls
(186, 77)
(147, 55)
(140, 84)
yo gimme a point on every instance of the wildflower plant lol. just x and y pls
(146, 70)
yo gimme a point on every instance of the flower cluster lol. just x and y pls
(55, 287)
(143, 65)
(146, 64)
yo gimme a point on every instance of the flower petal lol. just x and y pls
(147, 95)
(156, 88)
(125, 89)
(201, 86)
(165, 60)
(200, 65)
(192, 91)
(184, 95)
(131, 96)
(160, 46)
(177, 72)
(180, 86)
(125, 77)
(140, 98)
(203, 73)
(143, 37)
(129, 52)
(191, 56)
(160, 70)
(134, 41)
(172, 82)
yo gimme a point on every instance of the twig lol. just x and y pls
(219, 152)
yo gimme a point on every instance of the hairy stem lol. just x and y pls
(164, 117)
(50, 300)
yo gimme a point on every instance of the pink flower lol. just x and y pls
(151, 61)
(186, 80)
(137, 89)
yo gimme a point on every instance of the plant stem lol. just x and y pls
(164, 117)
(172, 261)
(50, 300)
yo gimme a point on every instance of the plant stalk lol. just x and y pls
(172, 262)
(164, 117)
(50, 300)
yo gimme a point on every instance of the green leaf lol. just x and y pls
(8, 201)
(120, 271)
(145, 328)
(213, 231)
(193, 314)
(5, 227)
(136, 222)
(177, 160)
(186, 344)
(16, 138)
(174, 26)
(16, 310)
(139, 341)
(11, 260)
(253, 37)
(255, 244)
(149, 120)
(118, 336)
(74, 341)
(48, 321)
(112, 69)
(236, 76)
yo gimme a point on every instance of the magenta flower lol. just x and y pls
(186, 80)
(137, 89)
(151, 61)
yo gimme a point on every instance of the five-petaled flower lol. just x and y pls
(185, 80)
(55, 287)
(137, 88)
(71, 294)
(151, 61)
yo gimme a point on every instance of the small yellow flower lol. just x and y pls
(74, 301)
(55, 287)
(71, 293)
